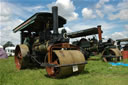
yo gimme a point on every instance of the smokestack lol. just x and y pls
(55, 19)
(99, 33)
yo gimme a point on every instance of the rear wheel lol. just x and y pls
(20, 55)
(112, 54)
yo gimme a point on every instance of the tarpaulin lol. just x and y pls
(3, 53)
(118, 64)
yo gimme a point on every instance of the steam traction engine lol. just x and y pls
(109, 52)
(43, 46)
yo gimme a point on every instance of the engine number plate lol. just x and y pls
(75, 68)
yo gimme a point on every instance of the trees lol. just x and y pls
(8, 44)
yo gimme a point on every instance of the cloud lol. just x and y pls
(80, 26)
(16, 10)
(104, 10)
(101, 3)
(118, 35)
(99, 13)
(115, 36)
(121, 11)
(126, 27)
(7, 33)
(122, 15)
(12, 16)
(4, 14)
(88, 13)
(123, 5)
(66, 9)
(113, 12)
(101, 9)
(108, 9)
(108, 26)
(37, 8)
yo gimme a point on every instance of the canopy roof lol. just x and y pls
(86, 32)
(123, 40)
(38, 22)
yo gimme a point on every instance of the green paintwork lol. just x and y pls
(123, 40)
(24, 26)
(86, 32)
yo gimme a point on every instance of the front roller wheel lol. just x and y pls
(21, 52)
(66, 60)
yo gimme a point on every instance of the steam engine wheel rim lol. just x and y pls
(51, 70)
(18, 60)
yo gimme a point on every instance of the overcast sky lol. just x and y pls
(112, 15)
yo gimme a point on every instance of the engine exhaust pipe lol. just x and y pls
(55, 19)
(99, 33)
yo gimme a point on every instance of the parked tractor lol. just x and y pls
(43, 46)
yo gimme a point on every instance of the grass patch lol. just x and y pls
(96, 72)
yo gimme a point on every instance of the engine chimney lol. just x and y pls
(99, 33)
(55, 19)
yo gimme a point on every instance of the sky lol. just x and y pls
(112, 15)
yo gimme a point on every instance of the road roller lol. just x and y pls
(42, 45)
(123, 47)
(109, 52)
(89, 47)
(122, 44)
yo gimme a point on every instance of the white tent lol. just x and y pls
(10, 51)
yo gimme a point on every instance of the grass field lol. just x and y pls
(96, 72)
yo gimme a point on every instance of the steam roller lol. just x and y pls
(43, 46)
(109, 52)
(67, 61)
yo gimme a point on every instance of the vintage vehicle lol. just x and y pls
(42, 45)
(123, 46)
(110, 51)
(88, 46)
